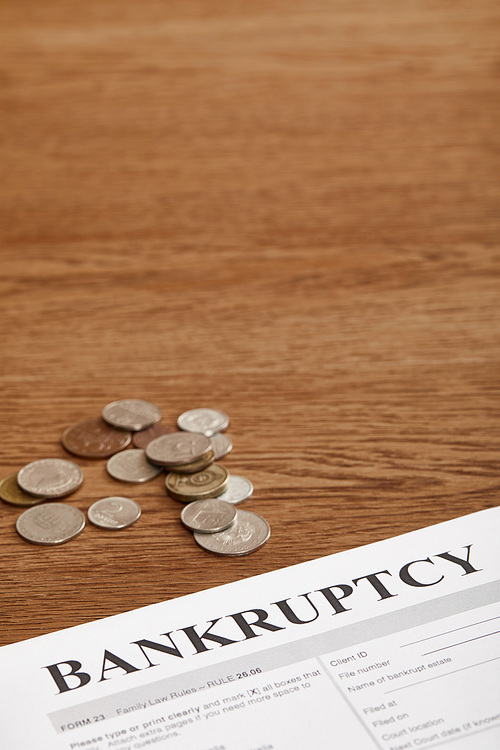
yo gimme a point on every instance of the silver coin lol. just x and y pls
(114, 512)
(247, 533)
(206, 421)
(221, 444)
(202, 463)
(208, 516)
(132, 466)
(178, 448)
(50, 477)
(131, 414)
(50, 523)
(239, 490)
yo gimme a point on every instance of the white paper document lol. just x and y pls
(392, 646)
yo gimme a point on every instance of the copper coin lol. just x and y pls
(93, 438)
(142, 438)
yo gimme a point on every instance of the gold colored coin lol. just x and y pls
(207, 483)
(11, 493)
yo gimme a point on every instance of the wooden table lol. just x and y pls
(288, 211)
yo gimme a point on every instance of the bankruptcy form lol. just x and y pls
(393, 646)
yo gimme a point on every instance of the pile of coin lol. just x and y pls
(187, 454)
(220, 528)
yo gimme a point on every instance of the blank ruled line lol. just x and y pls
(447, 632)
(452, 645)
(438, 676)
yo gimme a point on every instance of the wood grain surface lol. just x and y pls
(289, 211)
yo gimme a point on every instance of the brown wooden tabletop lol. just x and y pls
(287, 211)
